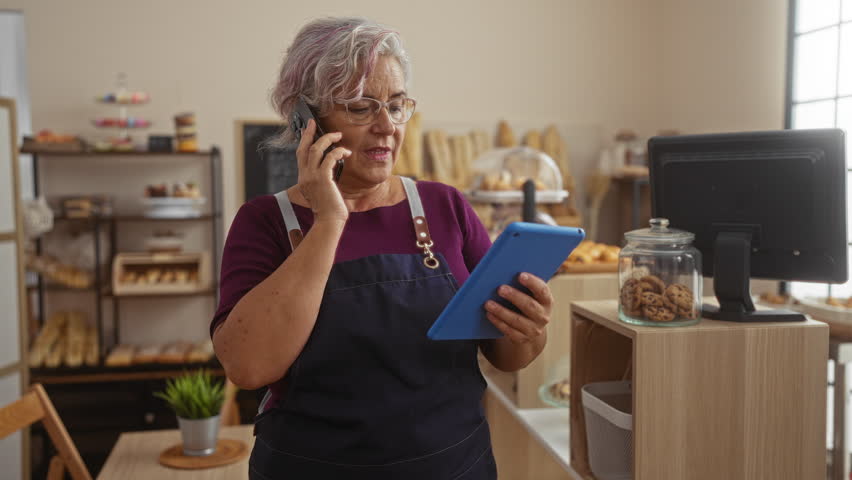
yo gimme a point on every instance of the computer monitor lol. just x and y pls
(761, 204)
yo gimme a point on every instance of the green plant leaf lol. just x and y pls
(194, 395)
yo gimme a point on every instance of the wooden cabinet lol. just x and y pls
(711, 401)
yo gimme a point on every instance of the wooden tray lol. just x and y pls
(589, 268)
(227, 451)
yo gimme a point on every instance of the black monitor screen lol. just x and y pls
(786, 188)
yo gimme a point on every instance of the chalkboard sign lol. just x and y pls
(265, 170)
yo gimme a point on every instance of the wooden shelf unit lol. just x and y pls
(715, 400)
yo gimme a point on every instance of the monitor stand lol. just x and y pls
(732, 273)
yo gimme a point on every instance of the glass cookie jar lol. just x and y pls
(659, 277)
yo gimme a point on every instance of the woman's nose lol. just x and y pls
(383, 124)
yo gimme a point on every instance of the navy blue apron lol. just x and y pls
(370, 396)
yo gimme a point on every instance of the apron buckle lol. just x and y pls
(430, 260)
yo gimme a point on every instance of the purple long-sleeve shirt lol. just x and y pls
(257, 243)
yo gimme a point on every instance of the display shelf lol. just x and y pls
(515, 196)
(132, 153)
(136, 218)
(199, 293)
(110, 224)
(103, 373)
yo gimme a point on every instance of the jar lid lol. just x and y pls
(660, 233)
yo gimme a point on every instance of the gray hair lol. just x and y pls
(329, 60)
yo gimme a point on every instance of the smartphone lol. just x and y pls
(299, 120)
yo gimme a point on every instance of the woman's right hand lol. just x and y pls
(316, 177)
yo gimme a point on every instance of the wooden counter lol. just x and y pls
(717, 400)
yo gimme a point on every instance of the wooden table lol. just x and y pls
(135, 457)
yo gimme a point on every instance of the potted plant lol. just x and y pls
(196, 399)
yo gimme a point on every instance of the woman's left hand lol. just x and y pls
(535, 310)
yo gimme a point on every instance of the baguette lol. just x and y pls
(75, 333)
(48, 335)
(54, 357)
(92, 347)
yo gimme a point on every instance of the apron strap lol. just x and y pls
(421, 228)
(291, 223)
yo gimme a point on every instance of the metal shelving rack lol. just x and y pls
(110, 224)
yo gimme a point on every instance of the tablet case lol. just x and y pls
(522, 247)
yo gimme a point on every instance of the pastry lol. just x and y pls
(121, 355)
(174, 353)
(148, 354)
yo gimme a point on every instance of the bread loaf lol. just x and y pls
(440, 159)
(462, 158)
(532, 139)
(553, 145)
(481, 142)
(410, 159)
(505, 135)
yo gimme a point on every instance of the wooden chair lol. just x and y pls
(36, 406)
(230, 411)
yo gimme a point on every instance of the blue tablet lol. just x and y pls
(522, 247)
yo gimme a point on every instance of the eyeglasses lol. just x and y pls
(364, 111)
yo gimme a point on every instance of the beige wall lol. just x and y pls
(591, 66)
(723, 64)
(580, 64)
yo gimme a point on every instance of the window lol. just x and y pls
(819, 90)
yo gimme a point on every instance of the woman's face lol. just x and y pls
(374, 146)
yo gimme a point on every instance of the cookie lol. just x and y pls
(631, 300)
(658, 314)
(635, 313)
(651, 299)
(681, 297)
(652, 283)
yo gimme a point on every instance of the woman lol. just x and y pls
(328, 289)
